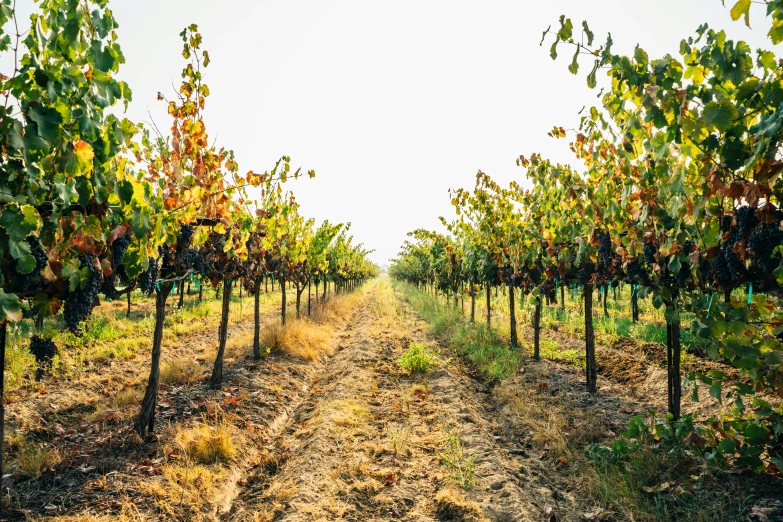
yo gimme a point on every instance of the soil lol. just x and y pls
(367, 442)
(353, 437)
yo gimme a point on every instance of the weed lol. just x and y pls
(399, 436)
(418, 358)
(452, 456)
(34, 459)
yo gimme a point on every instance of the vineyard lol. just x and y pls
(596, 341)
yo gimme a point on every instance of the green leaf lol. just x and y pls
(566, 29)
(741, 8)
(141, 221)
(776, 32)
(727, 446)
(79, 158)
(21, 252)
(719, 115)
(574, 67)
(102, 58)
(591, 80)
(715, 391)
(48, 121)
(588, 32)
(19, 222)
(10, 310)
(125, 191)
(72, 273)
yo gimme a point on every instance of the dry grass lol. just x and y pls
(346, 413)
(546, 420)
(129, 512)
(451, 505)
(399, 437)
(32, 460)
(207, 444)
(183, 492)
(312, 337)
(300, 338)
(128, 397)
(180, 371)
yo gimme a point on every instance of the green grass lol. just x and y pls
(668, 483)
(551, 350)
(418, 358)
(651, 482)
(483, 347)
(461, 467)
(109, 335)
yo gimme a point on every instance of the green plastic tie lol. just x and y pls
(574, 290)
(709, 306)
(750, 293)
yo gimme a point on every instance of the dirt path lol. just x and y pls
(370, 442)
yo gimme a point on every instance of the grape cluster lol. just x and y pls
(729, 269)
(25, 283)
(634, 271)
(720, 267)
(763, 243)
(41, 259)
(200, 263)
(107, 287)
(705, 272)
(536, 273)
(649, 250)
(604, 253)
(547, 290)
(586, 271)
(249, 284)
(683, 276)
(118, 248)
(149, 278)
(745, 219)
(42, 348)
(78, 304)
(184, 240)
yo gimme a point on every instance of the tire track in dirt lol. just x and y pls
(368, 442)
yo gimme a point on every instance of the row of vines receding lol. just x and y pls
(94, 206)
(676, 194)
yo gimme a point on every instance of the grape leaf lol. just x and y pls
(741, 8)
(19, 222)
(719, 115)
(9, 307)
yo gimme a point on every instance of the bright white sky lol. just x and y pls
(392, 103)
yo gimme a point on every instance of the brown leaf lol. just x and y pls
(119, 230)
(752, 193)
(695, 439)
